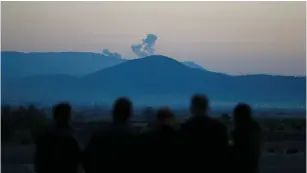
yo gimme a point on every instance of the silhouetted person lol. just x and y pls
(161, 142)
(205, 140)
(110, 149)
(57, 150)
(246, 140)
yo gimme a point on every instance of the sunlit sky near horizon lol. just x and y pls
(229, 37)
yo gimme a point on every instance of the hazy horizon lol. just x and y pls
(228, 37)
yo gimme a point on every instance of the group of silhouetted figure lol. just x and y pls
(201, 144)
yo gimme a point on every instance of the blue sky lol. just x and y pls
(229, 37)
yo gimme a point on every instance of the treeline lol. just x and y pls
(21, 123)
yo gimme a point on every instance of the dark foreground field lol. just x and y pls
(18, 159)
(284, 148)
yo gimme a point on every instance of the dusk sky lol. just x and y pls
(229, 37)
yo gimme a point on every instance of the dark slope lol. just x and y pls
(163, 75)
(47, 88)
(192, 65)
(153, 75)
(19, 64)
(157, 79)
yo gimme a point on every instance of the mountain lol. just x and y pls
(20, 64)
(158, 80)
(192, 64)
(153, 75)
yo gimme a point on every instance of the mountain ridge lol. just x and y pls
(158, 80)
(22, 64)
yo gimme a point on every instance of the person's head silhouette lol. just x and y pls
(122, 110)
(62, 114)
(242, 114)
(199, 105)
(165, 117)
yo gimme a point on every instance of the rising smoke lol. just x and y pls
(145, 48)
(106, 52)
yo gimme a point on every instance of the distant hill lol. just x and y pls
(158, 80)
(19, 64)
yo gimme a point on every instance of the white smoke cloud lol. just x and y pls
(145, 48)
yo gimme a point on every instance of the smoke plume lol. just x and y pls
(145, 48)
(106, 52)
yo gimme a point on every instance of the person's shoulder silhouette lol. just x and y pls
(203, 136)
(164, 125)
(113, 144)
(57, 150)
(122, 111)
(243, 116)
(200, 122)
(244, 125)
(247, 139)
(161, 142)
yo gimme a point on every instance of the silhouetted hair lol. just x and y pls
(122, 110)
(199, 102)
(242, 112)
(61, 113)
(164, 113)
